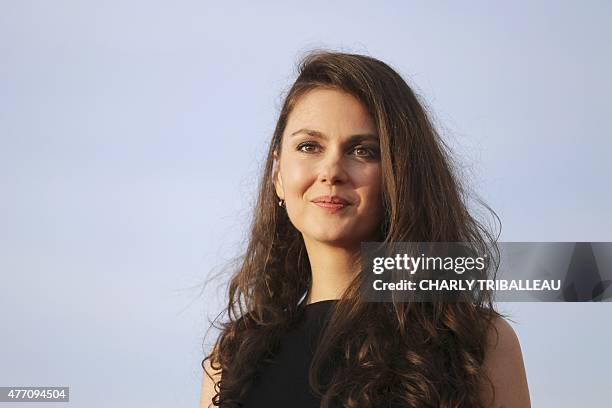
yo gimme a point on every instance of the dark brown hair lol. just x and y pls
(413, 354)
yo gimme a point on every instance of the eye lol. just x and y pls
(307, 147)
(369, 152)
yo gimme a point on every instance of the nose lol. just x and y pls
(332, 169)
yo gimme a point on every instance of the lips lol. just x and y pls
(331, 203)
(328, 199)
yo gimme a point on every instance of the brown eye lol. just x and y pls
(306, 147)
(365, 151)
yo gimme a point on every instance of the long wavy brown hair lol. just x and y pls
(409, 354)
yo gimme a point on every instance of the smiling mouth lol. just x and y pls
(331, 207)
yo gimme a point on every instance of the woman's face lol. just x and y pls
(330, 148)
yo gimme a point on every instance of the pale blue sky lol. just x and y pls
(131, 133)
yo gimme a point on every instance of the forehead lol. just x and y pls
(330, 111)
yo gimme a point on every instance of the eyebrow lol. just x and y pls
(352, 138)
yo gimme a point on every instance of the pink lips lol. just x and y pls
(331, 203)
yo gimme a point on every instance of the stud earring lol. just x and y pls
(281, 202)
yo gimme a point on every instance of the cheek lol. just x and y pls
(297, 177)
(370, 181)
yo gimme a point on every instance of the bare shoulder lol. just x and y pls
(210, 377)
(504, 366)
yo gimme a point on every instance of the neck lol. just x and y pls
(332, 269)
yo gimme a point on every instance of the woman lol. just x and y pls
(354, 158)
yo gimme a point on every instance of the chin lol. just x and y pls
(343, 239)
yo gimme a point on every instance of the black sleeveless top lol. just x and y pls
(284, 383)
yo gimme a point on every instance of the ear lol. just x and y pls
(278, 182)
